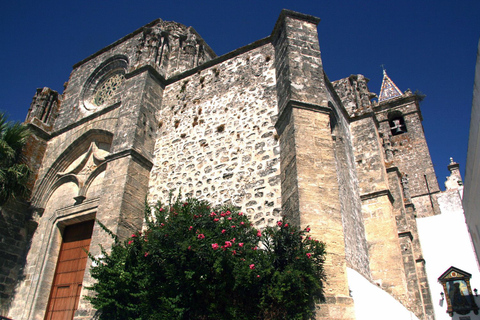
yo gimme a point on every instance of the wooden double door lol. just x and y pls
(67, 282)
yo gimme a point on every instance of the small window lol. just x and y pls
(397, 125)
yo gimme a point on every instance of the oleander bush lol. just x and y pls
(195, 262)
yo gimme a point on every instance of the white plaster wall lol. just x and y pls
(471, 201)
(372, 303)
(446, 242)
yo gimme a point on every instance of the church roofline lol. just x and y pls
(134, 33)
(219, 59)
(284, 13)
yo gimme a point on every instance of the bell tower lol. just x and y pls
(400, 124)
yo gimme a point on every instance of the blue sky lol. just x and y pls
(428, 46)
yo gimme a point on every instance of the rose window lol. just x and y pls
(108, 89)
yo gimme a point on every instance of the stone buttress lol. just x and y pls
(310, 190)
(262, 127)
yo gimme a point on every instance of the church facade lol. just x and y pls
(262, 127)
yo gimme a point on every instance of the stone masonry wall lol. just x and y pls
(211, 132)
(354, 93)
(310, 186)
(15, 233)
(409, 243)
(368, 156)
(217, 140)
(16, 225)
(356, 250)
(411, 154)
(164, 46)
(386, 263)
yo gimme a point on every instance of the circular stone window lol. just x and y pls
(107, 89)
(104, 85)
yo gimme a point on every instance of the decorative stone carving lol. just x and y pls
(85, 168)
(153, 47)
(354, 93)
(107, 89)
(406, 189)
(170, 48)
(44, 106)
(387, 146)
(102, 87)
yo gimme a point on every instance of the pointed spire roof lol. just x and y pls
(389, 90)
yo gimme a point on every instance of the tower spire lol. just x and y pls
(389, 90)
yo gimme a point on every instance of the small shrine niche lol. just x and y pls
(457, 292)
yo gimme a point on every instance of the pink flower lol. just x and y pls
(252, 266)
(214, 246)
(233, 226)
(185, 204)
(228, 213)
(146, 254)
(161, 209)
(201, 236)
(309, 255)
(223, 214)
(134, 235)
(229, 218)
(223, 231)
(279, 223)
(258, 276)
(254, 248)
(190, 228)
(308, 229)
(162, 224)
(228, 244)
(213, 214)
(130, 242)
(286, 225)
(233, 240)
(240, 244)
(259, 233)
(240, 213)
(309, 238)
(242, 223)
(234, 252)
(189, 248)
(216, 220)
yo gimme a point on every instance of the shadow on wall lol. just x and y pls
(16, 230)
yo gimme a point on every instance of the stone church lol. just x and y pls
(262, 127)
